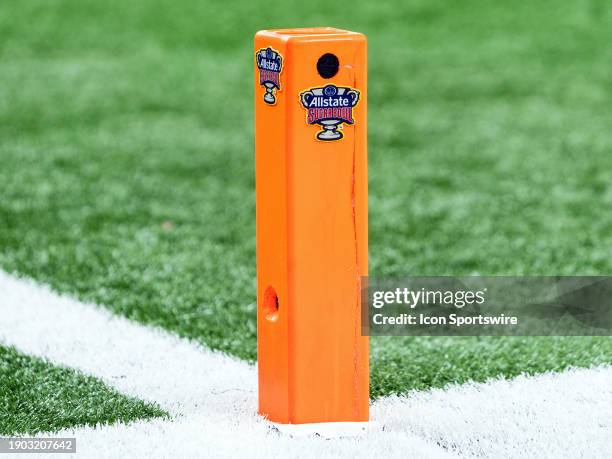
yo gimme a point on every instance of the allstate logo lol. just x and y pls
(329, 107)
(270, 64)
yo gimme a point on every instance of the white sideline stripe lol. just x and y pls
(213, 397)
(148, 363)
(552, 415)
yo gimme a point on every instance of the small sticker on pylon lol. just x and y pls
(330, 107)
(270, 65)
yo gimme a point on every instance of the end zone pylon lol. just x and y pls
(312, 245)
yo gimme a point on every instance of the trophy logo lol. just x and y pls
(270, 65)
(329, 107)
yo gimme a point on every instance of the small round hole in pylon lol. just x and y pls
(328, 65)
(270, 304)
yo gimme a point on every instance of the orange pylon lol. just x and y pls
(312, 243)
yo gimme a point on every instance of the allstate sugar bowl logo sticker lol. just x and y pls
(270, 65)
(329, 107)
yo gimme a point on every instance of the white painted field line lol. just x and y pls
(150, 364)
(214, 397)
(554, 415)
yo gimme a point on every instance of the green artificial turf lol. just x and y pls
(399, 363)
(127, 159)
(36, 396)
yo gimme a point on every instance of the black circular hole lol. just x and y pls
(328, 65)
